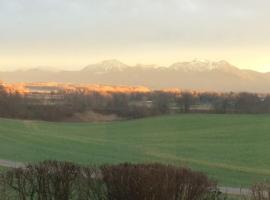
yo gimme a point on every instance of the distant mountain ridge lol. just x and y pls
(107, 66)
(196, 74)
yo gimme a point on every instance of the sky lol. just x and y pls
(70, 34)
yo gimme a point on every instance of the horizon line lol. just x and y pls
(71, 67)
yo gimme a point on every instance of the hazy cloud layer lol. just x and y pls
(43, 25)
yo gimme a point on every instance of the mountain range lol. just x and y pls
(196, 74)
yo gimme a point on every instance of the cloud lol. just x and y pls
(116, 24)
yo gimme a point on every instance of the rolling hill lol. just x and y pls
(234, 149)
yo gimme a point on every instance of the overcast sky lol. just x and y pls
(74, 33)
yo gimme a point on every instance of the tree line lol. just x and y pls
(57, 106)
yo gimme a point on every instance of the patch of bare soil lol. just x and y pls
(91, 116)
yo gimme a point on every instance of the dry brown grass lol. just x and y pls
(91, 116)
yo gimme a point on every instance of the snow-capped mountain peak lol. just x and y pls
(109, 65)
(202, 65)
(106, 66)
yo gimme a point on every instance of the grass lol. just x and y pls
(234, 149)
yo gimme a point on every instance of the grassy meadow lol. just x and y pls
(233, 149)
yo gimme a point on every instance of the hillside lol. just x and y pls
(233, 149)
(197, 75)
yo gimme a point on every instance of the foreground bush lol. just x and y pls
(260, 191)
(154, 181)
(52, 180)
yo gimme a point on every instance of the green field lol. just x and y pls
(234, 149)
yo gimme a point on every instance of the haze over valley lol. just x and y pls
(196, 75)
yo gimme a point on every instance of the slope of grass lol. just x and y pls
(234, 149)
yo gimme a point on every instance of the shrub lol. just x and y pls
(52, 180)
(154, 182)
(3, 192)
(91, 185)
(260, 191)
